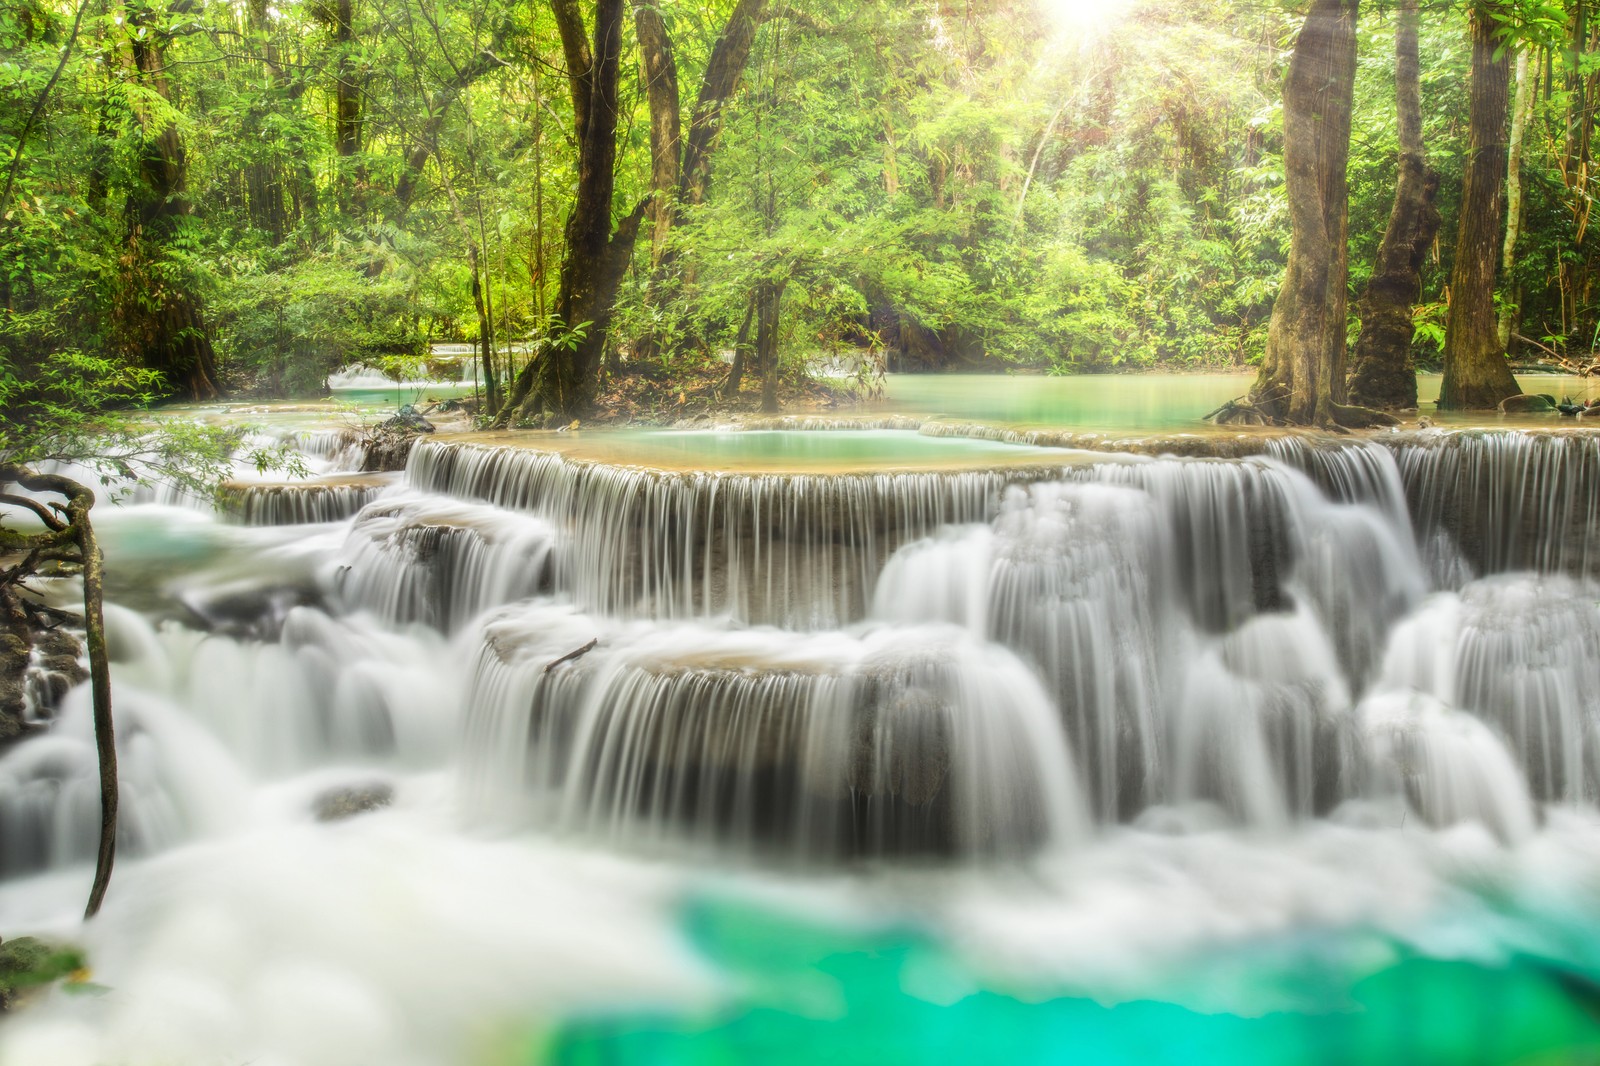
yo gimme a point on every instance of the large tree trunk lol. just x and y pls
(1382, 373)
(1302, 376)
(1521, 111)
(560, 382)
(1476, 374)
(165, 322)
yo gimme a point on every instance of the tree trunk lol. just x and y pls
(741, 346)
(100, 690)
(1521, 111)
(666, 147)
(769, 297)
(68, 536)
(346, 86)
(491, 383)
(723, 73)
(681, 167)
(560, 383)
(1382, 374)
(166, 322)
(1476, 375)
(1302, 376)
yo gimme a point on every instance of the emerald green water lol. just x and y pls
(809, 994)
(777, 450)
(1133, 402)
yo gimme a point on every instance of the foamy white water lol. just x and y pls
(1083, 723)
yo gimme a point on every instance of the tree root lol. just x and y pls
(1243, 412)
(1337, 417)
(1350, 416)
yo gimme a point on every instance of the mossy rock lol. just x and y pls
(28, 964)
(347, 801)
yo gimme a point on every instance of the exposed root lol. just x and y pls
(1350, 416)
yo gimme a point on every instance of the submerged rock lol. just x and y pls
(346, 801)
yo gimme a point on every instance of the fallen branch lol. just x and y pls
(571, 655)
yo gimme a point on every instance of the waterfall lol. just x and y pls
(441, 562)
(892, 742)
(300, 503)
(1506, 500)
(1449, 766)
(798, 550)
(1068, 576)
(176, 783)
(972, 662)
(1520, 652)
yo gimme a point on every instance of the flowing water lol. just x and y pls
(865, 745)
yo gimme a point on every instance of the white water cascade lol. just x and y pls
(986, 666)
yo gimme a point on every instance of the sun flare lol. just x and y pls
(1085, 17)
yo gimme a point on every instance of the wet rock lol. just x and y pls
(346, 801)
(1527, 404)
(248, 612)
(409, 419)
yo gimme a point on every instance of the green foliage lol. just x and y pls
(977, 186)
(288, 326)
(27, 964)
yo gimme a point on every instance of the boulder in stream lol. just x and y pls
(1528, 404)
(346, 801)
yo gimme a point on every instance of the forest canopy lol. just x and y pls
(242, 197)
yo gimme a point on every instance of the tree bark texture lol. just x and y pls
(1302, 377)
(1476, 375)
(1382, 373)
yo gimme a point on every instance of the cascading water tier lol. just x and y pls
(1152, 684)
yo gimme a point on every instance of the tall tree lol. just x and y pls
(560, 381)
(681, 167)
(1302, 377)
(1521, 111)
(162, 315)
(1476, 374)
(1381, 372)
(666, 120)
